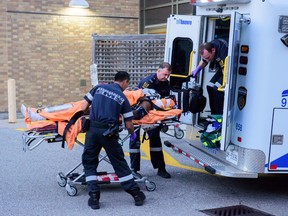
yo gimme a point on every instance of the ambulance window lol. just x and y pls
(222, 29)
(182, 47)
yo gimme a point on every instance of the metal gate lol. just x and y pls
(139, 55)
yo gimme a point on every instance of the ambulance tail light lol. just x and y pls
(244, 60)
(217, 2)
(243, 71)
(244, 49)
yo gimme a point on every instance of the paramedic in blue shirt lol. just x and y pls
(159, 82)
(213, 52)
(107, 103)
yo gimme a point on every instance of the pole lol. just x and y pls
(11, 101)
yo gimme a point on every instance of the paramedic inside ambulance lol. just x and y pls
(214, 53)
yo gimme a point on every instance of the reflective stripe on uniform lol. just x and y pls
(91, 178)
(211, 84)
(126, 178)
(217, 84)
(134, 150)
(155, 149)
(128, 115)
(89, 96)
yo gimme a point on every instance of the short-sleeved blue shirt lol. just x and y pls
(107, 103)
(151, 82)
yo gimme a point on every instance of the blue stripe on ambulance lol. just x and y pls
(285, 93)
(280, 162)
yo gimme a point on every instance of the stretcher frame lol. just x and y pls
(33, 138)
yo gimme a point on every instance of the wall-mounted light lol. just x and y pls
(79, 4)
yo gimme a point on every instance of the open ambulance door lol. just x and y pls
(181, 48)
(231, 74)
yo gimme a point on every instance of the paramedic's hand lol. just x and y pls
(133, 137)
(195, 72)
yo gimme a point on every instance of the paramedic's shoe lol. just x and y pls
(93, 201)
(163, 173)
(34, 116)
(138, 196)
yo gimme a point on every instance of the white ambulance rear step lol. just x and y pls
(210, 163)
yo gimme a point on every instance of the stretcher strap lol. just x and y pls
(74, 118)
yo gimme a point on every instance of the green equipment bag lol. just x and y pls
(211, 135)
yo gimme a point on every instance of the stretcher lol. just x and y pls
(65, 125)
(34, 137)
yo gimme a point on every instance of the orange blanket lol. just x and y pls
(62, 117)
(153, 116)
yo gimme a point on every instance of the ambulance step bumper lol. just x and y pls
(212, 164)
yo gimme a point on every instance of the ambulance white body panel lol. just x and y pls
(255, 116)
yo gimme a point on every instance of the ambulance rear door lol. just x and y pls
(231, 75)
(181, 48)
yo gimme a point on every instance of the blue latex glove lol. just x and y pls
(133, 137)
(195, 72)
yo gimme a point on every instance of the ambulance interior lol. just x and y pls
(217, 28)
(212, 28)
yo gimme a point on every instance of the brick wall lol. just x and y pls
(46, 46)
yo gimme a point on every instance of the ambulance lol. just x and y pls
(254, 136)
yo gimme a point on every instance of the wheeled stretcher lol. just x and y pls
(65, 125)
(34, 137)
(52, 131)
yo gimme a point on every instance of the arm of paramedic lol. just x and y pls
(202, 64)
(129, 126)
(128, 116)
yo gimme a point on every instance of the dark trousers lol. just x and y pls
(156, 153)
(94, 141)
(216, 98)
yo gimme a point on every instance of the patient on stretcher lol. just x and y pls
(142, 103)
(146, 110)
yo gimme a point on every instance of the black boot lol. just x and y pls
(163, 173)
(138, 196)
(93, 201)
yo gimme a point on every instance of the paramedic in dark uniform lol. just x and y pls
(107, 103)
(159, 82)
(213, 52)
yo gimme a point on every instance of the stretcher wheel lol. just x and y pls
(150, 186)
(72, 191)
(164, 129)
(179, 134)
(61, 180)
